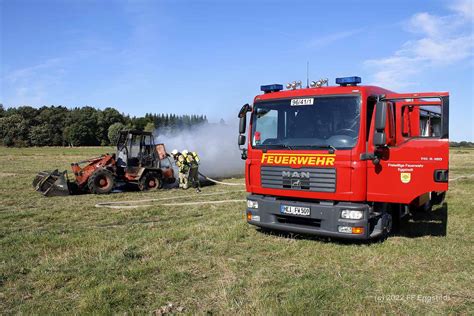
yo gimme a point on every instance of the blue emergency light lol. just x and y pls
(344, 81)
(271, 88)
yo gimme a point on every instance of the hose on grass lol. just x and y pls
(461, 177)
(219, 182)
(131, 204)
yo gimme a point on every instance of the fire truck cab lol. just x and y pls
(343, 161)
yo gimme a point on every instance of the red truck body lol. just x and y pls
(306, 189)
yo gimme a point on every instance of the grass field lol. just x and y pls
(63, 255)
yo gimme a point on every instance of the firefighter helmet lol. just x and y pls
(185, 152)
(174, 152)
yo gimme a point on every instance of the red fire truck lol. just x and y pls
(343, 161)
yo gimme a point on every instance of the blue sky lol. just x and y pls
(210, 57)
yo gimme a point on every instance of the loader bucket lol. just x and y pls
(52, 183)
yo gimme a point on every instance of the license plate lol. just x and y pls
(295, 210)
(299, 102)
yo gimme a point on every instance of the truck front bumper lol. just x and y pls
(324, 218)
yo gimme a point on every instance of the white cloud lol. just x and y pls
(28, 72)
(328, 39)
(426, 23)
(34, 85)
(445, 40)
(464, 8)
(30, 85)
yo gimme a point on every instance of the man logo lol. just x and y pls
(295, 174)
(295, 183)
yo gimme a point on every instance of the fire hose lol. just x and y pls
(462, 177)
(138, 203)
(219, 182)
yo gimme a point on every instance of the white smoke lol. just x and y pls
(216, 145)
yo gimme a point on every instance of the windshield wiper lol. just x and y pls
(331, 148)
(287, 146)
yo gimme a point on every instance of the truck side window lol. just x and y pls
(370, 110)
(267, 128)
(391, 124)
(421, 121)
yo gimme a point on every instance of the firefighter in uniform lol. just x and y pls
(183, 168)
(192, 160)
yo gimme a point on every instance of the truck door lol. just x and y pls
(412, 156)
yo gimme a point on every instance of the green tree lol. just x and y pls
(59, 126)
(106, 118)
(14, 130)
(139, 122)
(55, 117)
(79, 135)
(40, 135)
(113, 132)
(149, 127)
(82, 126)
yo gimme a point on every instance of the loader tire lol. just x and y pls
(150, 181)
(101, 182)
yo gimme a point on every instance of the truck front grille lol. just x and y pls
(299, 221)
(305, 179)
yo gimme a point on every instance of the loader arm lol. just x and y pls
(82, 174)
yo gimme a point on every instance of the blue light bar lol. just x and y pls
(344, 81)
(271, 88)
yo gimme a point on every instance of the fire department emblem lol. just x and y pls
(405, 177)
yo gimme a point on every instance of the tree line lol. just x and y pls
(81, 126)
(461, 144)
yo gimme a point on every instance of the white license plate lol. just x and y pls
(295, 210)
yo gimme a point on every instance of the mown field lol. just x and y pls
(63, 255)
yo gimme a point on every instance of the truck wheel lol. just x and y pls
(150, 181)
(101, 182)
(437, 198)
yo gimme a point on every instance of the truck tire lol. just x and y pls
(150, 181)
(101, 182)
(383, 225)
(437, 198)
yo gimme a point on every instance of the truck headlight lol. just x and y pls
(252, 204)
(350, 230)
(352, 214)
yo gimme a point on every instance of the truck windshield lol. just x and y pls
(319, 122)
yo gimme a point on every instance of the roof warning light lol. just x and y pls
(271, 88)
(348, 81)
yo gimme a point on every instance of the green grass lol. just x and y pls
(63, 255)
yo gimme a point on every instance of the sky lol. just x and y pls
(210, 57)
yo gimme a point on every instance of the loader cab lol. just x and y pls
(136, 149)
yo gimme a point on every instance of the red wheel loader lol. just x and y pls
(137, 161)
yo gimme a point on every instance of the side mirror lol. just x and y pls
(380, 139)
(243, 111)
(242, 140)
(380, 115)
(243, 124)
(243, 117)
(242, 127)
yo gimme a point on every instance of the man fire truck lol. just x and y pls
(343, 161)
